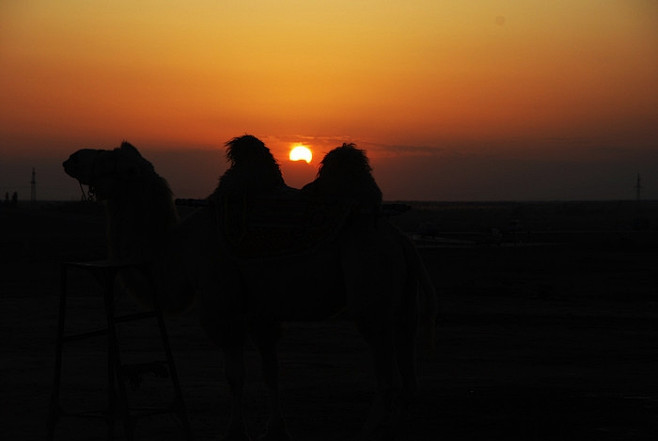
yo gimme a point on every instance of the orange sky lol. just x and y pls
(505, 86)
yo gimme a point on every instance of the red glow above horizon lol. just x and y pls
(402, 79)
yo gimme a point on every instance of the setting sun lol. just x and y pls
(301, 153)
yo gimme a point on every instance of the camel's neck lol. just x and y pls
(142, 233)
(137, 229)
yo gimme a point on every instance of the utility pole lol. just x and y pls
(638, 222)
(33, 186)
(638, 188)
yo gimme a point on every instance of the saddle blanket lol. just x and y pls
(268, 228)
(283, 226)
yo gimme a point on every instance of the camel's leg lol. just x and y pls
(235, 374)
(373, 267)
(229, 334)
(381, 421)
(265, 335)
(405, 350)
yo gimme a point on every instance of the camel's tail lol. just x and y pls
(428, 305)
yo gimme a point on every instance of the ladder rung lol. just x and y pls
(141, 412)
(158, 368)
(103, 331)
(83, 335)
(136, 316)
(84, 413)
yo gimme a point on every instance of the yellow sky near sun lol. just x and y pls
(389, 72)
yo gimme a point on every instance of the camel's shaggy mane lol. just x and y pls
(247, 149)
(345, 173)
(253, 169)
(345, 160)
(147, 200)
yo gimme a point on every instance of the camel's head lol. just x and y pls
(347, 161)
(107, 171)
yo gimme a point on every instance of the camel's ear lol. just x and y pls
(131, 163)
(128, 148)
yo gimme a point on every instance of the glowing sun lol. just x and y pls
(301, 153)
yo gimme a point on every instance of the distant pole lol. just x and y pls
(638, 188)
(638, 223)
(33, 186)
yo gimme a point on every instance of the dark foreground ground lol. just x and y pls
(549, 331)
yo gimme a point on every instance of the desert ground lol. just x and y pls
(548, 331)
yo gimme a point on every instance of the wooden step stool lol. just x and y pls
(118, 373)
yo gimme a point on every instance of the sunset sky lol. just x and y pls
(453, 100)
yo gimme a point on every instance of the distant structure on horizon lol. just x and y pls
(638, 188)
(33, 186)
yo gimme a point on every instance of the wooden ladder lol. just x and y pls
(119, 375)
